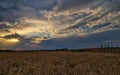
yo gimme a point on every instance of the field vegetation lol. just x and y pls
(89, 62)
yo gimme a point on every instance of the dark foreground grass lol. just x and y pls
(59, 63)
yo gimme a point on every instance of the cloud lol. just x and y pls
(52, 19)
(71, 4)
(18, 42)
(88, 41)
(3, 26)
(13, 36)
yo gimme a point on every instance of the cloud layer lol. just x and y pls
(40, 21)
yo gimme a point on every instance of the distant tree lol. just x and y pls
(101, 46)
(108, 46)
(104, 46)
(111, 45)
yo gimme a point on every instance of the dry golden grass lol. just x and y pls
(59, 63)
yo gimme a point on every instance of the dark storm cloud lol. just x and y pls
(68, 4)
(94, 40)
(26, 44)
(3, 26)
(23, 43)
(81, 24)
(101, 25)
(13, 36)
(11, 11)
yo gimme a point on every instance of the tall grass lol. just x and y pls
(59, 63)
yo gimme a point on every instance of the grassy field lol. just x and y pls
(59, 63)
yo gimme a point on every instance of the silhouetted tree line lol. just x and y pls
(108, 45)
(7, 50)
(109, 48)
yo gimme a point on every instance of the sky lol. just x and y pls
(56, 24)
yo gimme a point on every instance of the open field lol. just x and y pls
(59, 63)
